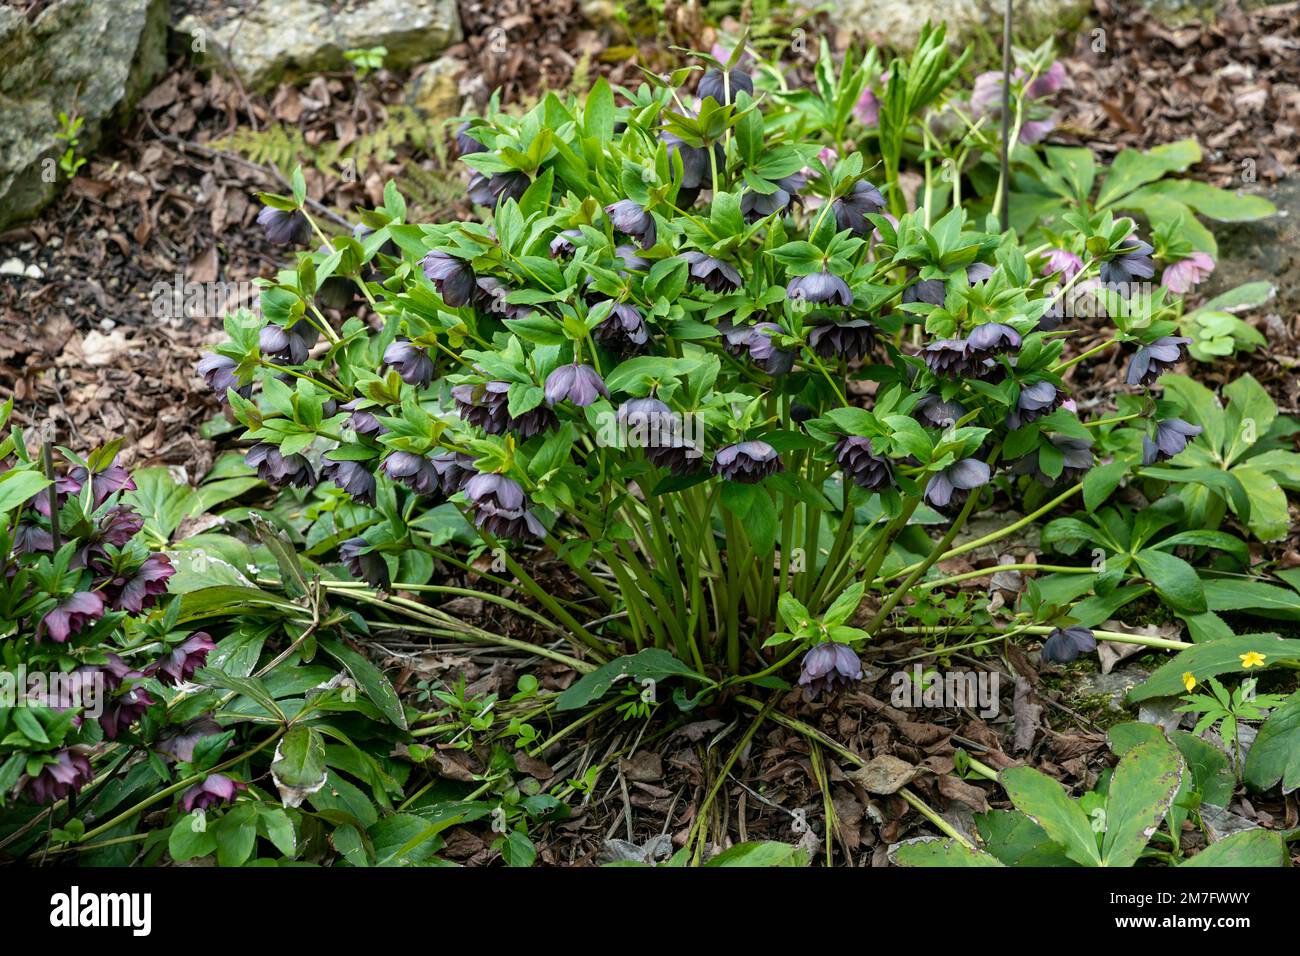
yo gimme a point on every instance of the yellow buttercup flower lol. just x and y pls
(1252, 659)
(1189, 681)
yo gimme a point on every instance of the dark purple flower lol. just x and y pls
(933, 412)
(118, 525)
(465, 143)
(67, 775)
(1064, 263)
(352, 477)
(716, 275)
(850, 340)
(861, 464)
(763, 350)
(31, 539)
(278, 470)
(178, 743)
(851, 210)
(490, 190)
(364, 563)
(562, 245)
(827, 667)
(755, 205)
(215, 791)
(500, 507)
(650, 424)
(819, 287)
(362, 422)
(107, 482)
(124, 710)
(1034, 402)
(179, 664)
(287, 345)
(1076, 455)
(1149, 362)
(1132, 262)
(953, 484)
(933, 291)
(71, 616)
(630, 219)
(723, 87)
(623, 331)
(452, 277)
(454, 470)
(993, 338)
(411, 361)
(491, 296)
(748, 462)
(486, 406)
(951, 357)
(1172, 436)
(632, 260)
(579, 384)
(696, 170)
(1066, 643)
(142, 589)
(978, 272)
(284, 227)
(414, 471)
(219, 373)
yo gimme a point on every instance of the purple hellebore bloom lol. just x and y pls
(142, 589)
(490, 190)
(993, 338)
(623, 331)
(763, 350)
(364, 563)
(71, 616)
(861, 464)
(1151, 361)
(933, 291)
(851, 210)
(70, 772)
(218, 371)
(820, 287)
(1066, 643)
(414, 471)
(1049, 83)
(1076, 457)
(695, 166)
(986, 94)
(500, 507)
(465, 143)
(1064, 263)
(486, 406)
(107, 482)
(452, 277)
(632, 260)
(977, 272)
(454, 470)
(747, 462)
(179, 664)
(1186, 273)
(867, 109)
(723, 88)
(579, 384)
(352, 477)
(562, 245)
(124, 710)
(952, 485)
(933, 412)
(659, 433)
(849, 340)
(362, 422)
(827, 667)
(630, 219)
(716, 275)
(1034, 402)
(1172, 436)
(1035, 131)
(216, 790)
(119, 525)
(1133, 261)
(277, 469)
(284, 227)
(755, 205)
(178, 743)
(31, 539)
(951, 357)
(413, 363)
(287, 345)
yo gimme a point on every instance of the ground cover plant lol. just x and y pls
(700, 401)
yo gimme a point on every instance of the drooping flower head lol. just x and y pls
(217, 790)
(487, 406)
(851, 340)
(287, 345)
(860, 463)
(1151, 361)
(414, 471)
(716, 275)
(452, 277)
(1034, 402)
(632, 220)
(284, 227)
(71, 616)
(353, 477)
(851, 210)
(179, 664)
(279, 470)
(411, 362)
(748, 462)
(1064, 263)
(69, 772)
(141, 589)
(500, 507)
(820, 287)
(623, 331)
(1133, 261)
(364, 563)
(993, 338)
(827, 667)
(576, 383)
(1187, 273)
(1172, 436)
(1066, 643)
(764, 352)
(953, 485)
(219, 372)
(722, 88)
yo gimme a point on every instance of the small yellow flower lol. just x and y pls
(1252, 659)
(1189, 681)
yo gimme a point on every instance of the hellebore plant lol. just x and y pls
(646, 361)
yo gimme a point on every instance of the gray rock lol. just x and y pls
(897, 23)
(87, 58)
(1115, 686)
(1263, 250)
(276, 38)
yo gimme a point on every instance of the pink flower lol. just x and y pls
(867, 109)
(1062, 262)
(1049, 82)
(1183, 275)
(72, 616)
(212, 792)
(1035, 131)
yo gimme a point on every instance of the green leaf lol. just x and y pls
(1175, 580)
(236, 834)
(598, 113)
(1265, 600)
(1209, 200)
(653, 663)
(1212, 659)
(1275, 755)
(298, 769)
(370, 678)
(1141, 791)
(1131, 169)
(161, 501)
(943, 853)
(1101, 481)
(1251, 848)
(1269, 518)
(186, 843)
(18, 485)
(766, 854)
(1045, 801)
(1017, 840)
